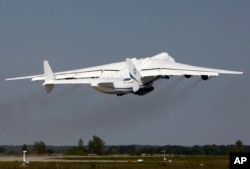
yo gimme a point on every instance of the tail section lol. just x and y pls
(134, 74)
(48, 77)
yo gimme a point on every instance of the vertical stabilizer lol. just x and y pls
(48, 77)
(48, 73)
(133, 72)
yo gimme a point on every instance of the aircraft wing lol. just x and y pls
(178, 69)
(92, 76)
(78, 76)
(93, 82)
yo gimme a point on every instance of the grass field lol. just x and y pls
(192, 162)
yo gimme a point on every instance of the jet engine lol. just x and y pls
(205, 77)
(187, 76)
(144, 90)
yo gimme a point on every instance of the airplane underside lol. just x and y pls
(109, 89)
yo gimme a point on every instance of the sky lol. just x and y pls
(78, 34)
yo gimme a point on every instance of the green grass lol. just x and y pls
(148, 163)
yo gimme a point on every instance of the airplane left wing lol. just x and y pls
(92, 72)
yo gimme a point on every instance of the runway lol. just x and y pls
(61, 158)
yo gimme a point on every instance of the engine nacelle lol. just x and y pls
(187, 76)
(205, 77)
(145, 90)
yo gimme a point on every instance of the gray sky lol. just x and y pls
(78, 34)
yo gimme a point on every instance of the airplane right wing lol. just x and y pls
(163, 67)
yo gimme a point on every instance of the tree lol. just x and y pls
(96, 145)
(77, 150)
(39, 147)
(80, 148)
(147, 150)
(2, 150)
(239, 146)
(50, 151)
(197, 150)
(80, 144)
(113, 150)
(24, 148)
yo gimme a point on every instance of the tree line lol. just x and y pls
(213, 150)
(96, 146)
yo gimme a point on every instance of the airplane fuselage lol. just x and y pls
(124, 87)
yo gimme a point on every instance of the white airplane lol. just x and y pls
(131, 76)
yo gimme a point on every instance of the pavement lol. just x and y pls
(54, 158)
